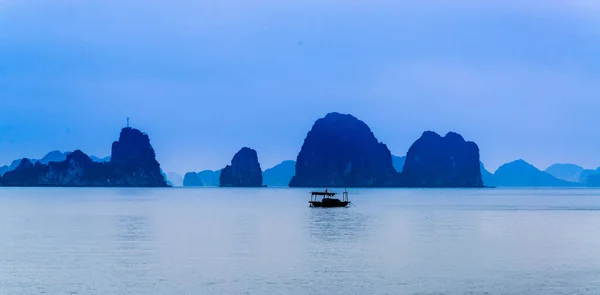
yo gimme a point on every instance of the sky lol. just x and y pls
(205, 78)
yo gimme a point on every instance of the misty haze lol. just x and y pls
(299, 147)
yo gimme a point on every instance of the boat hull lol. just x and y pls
(330, 204)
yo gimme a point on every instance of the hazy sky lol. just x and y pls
(203, 78)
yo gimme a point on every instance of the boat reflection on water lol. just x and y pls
(337, 225)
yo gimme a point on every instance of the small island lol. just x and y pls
(341, 151)
(436, 161)
(244, 170)
(132, 164)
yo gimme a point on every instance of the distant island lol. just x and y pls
(53, 156)
(202, 178)
(435, 161)
(522, 174)
(568, 172)
(192, 179)
(341, 151)
(280, 174)
(132, 164)
(244, 170)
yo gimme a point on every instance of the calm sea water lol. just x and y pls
(267, 241)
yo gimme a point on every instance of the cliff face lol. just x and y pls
(341, 151)
(435, 161)
(132, 164)
(244, 170)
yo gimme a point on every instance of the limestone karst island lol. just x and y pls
(132, 164)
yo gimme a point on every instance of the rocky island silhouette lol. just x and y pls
(132, 164)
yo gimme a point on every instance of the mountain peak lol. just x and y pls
(565, 171)
(435, 161)
(341, 150)
(520, 173)
(244, 171)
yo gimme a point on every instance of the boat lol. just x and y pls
(326, 199)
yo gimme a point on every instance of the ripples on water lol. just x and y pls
(267, 241)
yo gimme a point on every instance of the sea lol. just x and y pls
(264, 241)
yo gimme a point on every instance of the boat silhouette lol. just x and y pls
(326, 199)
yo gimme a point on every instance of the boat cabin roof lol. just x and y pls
(323, 194)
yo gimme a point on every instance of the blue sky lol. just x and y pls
(203, 78)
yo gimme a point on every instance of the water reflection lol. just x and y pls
(135, 194)
(135, 252)
(133, 230)
(337, 224)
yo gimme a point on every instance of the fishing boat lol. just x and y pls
(326, 199)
